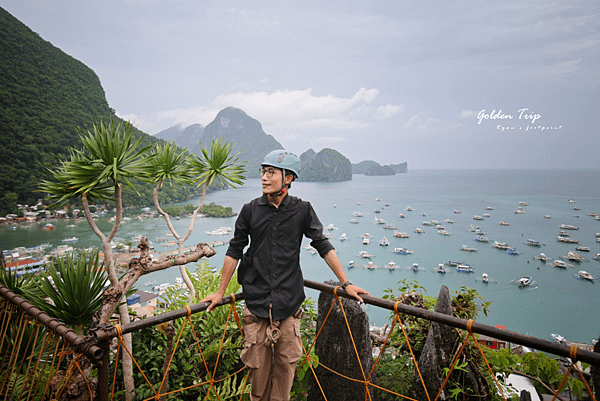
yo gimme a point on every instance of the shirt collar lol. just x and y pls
(264, 200)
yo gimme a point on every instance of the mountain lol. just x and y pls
(362, 167)
(187, 137)
(233, 125)
(328, 165)
(369, 167)
(45, 95)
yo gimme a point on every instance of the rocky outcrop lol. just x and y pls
(369, 167)
(440, 347)
(328, 165)
(335, 350)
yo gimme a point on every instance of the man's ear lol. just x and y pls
(288, 179)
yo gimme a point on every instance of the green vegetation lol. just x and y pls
(210, 210)
(45, 96)
(328, 165)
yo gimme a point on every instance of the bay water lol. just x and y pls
(560, 303)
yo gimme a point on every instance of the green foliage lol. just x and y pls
(395, 373)
(75, 287)
(213, 210)
(24, 285)
(303, 368)
(326, 166)
(187, 365)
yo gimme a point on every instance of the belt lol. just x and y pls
(299, 314)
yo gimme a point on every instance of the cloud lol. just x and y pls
(291, 109)
(410, 121)
(385, 112)
(467, 114)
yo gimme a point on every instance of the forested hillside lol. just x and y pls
(44, 95)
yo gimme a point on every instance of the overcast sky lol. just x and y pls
(390, 81)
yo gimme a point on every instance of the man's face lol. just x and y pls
(271, 179)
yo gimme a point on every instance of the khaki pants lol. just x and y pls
(271, 369)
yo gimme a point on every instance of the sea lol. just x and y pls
(558, 303)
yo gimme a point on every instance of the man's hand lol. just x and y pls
(214, 299)
(354, 290)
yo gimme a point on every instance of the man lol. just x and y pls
(271, 278)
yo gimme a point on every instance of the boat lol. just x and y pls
(564, 234)
(476, 217)
(392, 265)
(456, 211)
(443, 232)
(568, 227)
(582, 249)
(365, 254)
(486, 215)
(441, 269)
(454, 263)
(428, 223)
(72, 239)
(379, 221)
(547, 216)
(343, 237)
(439, 227)
(350, 264)
(464, 269)
(366, 240)
(570, 201)
(597, 257)
(389, 226)
(370, 266)
(402, 251)
(560, 264)
(543, 257)
(489, 208)
(161, 287)
(384, 242)
(149, 283)
(357, 214)
(487, 279)
(448, 221)
(532, 242)
(520, 210)
(353, 221)
(482, 238)
(467, 249)
(401, 216)
(524, 281)
(585, 275)
(558, 338)
(574, 257)
(331, 227)
(567, 240)
(419, 230)
(415, 267)
(501, 245)
(377, 211)
(409, 209)
(512, 251)
(473, 227)
(399, 234)
(523, 204)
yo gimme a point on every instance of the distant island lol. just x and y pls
(370, 167)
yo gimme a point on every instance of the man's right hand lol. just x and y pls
(214, 299)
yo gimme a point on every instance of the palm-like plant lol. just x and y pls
(109, 158)
(171, 164)
(75, 287)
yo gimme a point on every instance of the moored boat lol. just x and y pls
(402, 251)
(585, 275)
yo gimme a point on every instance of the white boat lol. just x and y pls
(343, 237)
(543, 257)
(384, 241)
(72, 239)
(331, 227)
(443, 232)
(582, 249)
(419, 230)
(353, 221)
(524, 281)
(379, 221)
(467, 249)
(520, 211)
(501, 245)
(547, 216)
(392, 265)
(401, 216)
(409, 209)
(585, 275)
(568, 227)
(389, 226)
(350, 264)
(415, 267)
(523, 204)
(456, 211)
(558, 338)
(399, 234)
(485, 278)
(366, 240)
(570, 201)
(561, 264)
(402, 251)
(533, 242)
(442, 269)
(476, 217)
(365, 254)
(357, 214)
(370, 266)
(161, 287)
(482, 238)
(464, 269)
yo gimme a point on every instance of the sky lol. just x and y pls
(436, 84)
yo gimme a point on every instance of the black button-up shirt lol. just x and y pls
(275, 276)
